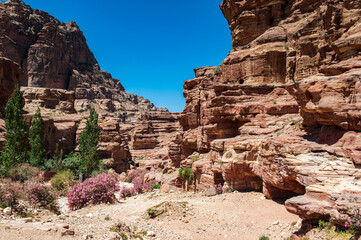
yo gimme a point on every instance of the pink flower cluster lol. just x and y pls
(98, 189)
(9, 193)
(219, 188)
(353, 224)
(139, 186)
(41, 195)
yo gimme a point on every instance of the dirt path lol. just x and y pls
(229, 216)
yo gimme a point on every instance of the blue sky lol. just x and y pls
(152, 47)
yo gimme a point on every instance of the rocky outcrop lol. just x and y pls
(10, 76)
(52, 54)
(280, 115)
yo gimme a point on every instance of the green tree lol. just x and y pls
(88, 145)
(37, 152)
(16, 146)
(186, 175)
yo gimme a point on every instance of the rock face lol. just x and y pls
(10, 76)
(58, 73)
(281, 113)
(151, 139)
(52, 54)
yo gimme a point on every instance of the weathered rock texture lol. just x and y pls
(151, 139)
(281, 113)
(62, 77)
(10, 76)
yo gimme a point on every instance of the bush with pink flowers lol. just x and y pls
(40, 195)
(9, 193)
(219, 188)
(127, 192)
(139, 173)
(353, 224)
(139, 186)
(95, 190)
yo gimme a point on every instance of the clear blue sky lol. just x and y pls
(152, 47)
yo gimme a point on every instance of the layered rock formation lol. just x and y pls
(281, 112)
(151, 138)
(58, 73)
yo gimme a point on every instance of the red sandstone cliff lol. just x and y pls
(281, 113)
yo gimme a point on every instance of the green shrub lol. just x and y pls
(263, 237)
(23, 172)
(55, 164)
(62, 181)
(151, 213)
(71, 162)
(155, 186)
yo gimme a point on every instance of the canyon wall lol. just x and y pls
(57, 72)
(281, 113)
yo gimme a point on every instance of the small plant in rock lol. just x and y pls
(229, 154)
(151, 213)
(194, 158)
(25, 214)
(274, 101)
(40, 195)
(353, 224)
(123, 236)
(155, 186)
(99, 189)
(148, 186)
(144, 233)
(324, 225)
(263, 237)
(137, 236)
(218, 70)
(219, 188)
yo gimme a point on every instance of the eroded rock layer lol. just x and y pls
(281, 113)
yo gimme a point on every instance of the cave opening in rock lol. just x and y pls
(278, 194)
(218, 178)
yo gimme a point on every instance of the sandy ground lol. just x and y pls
(228, 216)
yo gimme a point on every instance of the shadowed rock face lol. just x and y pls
(10, 76)
(281, 113)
